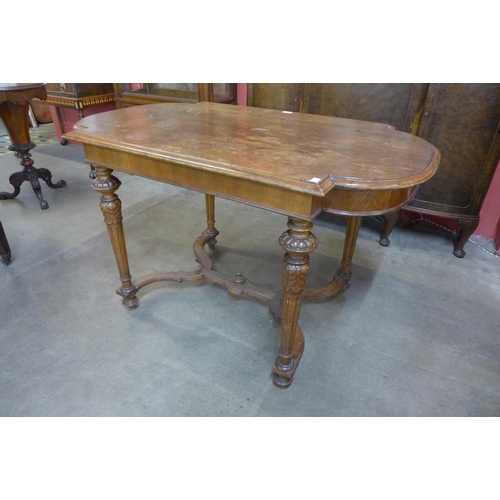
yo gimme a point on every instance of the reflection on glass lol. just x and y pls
(221, 91)
(181, 90)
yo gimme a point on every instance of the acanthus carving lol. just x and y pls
(111, 211)
(294, 277)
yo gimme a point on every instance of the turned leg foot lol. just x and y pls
(279, 380)
(130, 300)
(467, 226)
(390, 221)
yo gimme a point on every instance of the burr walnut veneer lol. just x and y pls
(290, 163)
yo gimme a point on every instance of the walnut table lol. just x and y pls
(14, 111)
(290, 163)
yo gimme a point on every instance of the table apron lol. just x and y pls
(275, 198)
(366, 202)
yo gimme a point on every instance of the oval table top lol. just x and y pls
(309, 153)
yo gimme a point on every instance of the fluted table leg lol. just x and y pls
(297, 242)
(110, 204)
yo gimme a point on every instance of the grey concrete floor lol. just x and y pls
(417, 333)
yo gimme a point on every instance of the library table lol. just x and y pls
(290, 163)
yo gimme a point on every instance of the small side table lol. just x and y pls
(14, 111)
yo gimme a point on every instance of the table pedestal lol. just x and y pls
(14, 111)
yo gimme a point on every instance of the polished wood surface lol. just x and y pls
(14, 109)
(293, 164)
(306, 153)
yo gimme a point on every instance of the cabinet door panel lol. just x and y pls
(285, 96)
(462, 121)
(398, 104)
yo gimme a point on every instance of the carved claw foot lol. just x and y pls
(46, 175)
(16, 180)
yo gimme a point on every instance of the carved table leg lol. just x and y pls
(297, 242)
(5, 253)
(390, 221)
(467, 226)
(210, 206)
(110, 204)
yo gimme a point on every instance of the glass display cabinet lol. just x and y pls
(132, 94)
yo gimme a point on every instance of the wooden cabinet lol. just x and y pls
(133, 94)
(83, 93)
(398, 104)
(461, 120)
(78, 96)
